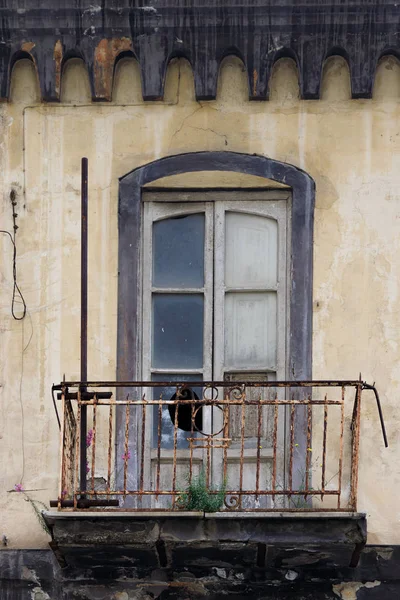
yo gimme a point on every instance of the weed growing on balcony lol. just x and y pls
(36, 505)
(198, 495)
(305, 500)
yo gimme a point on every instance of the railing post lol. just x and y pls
(62, 449)
(355, 446)
(84, 311)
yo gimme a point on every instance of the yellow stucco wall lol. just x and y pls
(351, 149)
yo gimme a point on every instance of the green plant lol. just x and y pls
(37, 506)
(198, 496)
(305, 500)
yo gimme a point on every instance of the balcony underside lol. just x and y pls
(137, 543)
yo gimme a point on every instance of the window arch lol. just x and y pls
(301, 248)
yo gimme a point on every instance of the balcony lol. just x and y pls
(167, 474)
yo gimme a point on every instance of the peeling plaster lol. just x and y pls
(38, 594)
(348, 590)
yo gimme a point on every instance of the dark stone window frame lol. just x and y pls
(301, 257)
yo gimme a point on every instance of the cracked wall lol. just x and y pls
(350, 147)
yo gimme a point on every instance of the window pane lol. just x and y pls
(167, 425)
(178, 252)
(178, 331)
(250, 330)
(251, 244)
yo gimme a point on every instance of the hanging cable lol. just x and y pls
(16, 290)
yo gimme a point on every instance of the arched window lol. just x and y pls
(215, 284)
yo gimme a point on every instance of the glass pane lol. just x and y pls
(167, 424)
(251, 251)
(250, 330)
(178, 331)
(178, 252)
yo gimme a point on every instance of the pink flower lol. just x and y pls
(18, 487)
(89, 438)
(126, 456)
(64, 493)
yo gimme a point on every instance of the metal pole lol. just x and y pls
(84, 312)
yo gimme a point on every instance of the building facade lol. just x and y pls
(243, 162)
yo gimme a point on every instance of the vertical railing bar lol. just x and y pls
(308, 449)
(275, 444)
(159, 434)
(292, 419)
(62, 449)
(242, 433)
(77, 454)
(110, 433)
(226, 417)
(192, 421)
(324, 448)
(175, 448)
(126, 445)
(94, 439)
(259, 430)
(341, 446)
(141, 481)
(355, 446)
(208, 467)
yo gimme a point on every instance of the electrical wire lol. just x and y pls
(16, 289)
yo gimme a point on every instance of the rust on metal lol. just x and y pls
(225, 433)
(142, 453)
(77, 451)
(62, 449)
(242, 432)
(291, 451)
(324, 440)
(159, 433)
(175, 449)
(355, 448)
(308, 448)
(233, 402)
(341, 445)
(274, 446)
(170, 492)
(259, 430)
(93, 446)
(109, 454)
(216, 384)
(249, 447)
(126, 445)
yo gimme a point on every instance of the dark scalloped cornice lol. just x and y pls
(204, 31)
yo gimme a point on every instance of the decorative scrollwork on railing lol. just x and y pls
(206, 434)
(210, 393)
(231, 501)
(237, 392)
(181, 500)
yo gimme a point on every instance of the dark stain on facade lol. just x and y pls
(27, 574)
(258, 31)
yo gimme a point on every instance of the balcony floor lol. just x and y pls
(141, 542)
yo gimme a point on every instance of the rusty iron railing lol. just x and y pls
(258, 445)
